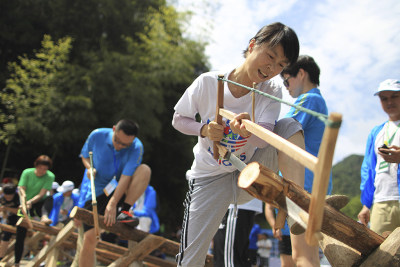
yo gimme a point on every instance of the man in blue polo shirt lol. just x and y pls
(120, 178)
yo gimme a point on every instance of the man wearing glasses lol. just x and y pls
(301, 79)
(120, 178)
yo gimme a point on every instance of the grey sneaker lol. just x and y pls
(128, 219)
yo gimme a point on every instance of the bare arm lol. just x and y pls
(35, 199)
(270, 217)
(364, 215)
(86, 164)
(111, 209)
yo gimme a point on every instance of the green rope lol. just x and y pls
(320, 116)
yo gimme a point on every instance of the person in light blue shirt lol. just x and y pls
(63, 202)
(301, 79)
(120, 178)
(146, 210)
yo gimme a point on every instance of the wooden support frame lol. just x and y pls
(320, 166)
(105, 252)
(53, 244)
(144, 247)
(168, 247)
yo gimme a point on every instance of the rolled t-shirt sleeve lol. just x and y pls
(23, 179)
(134, 160)
(187, 105)
(87, 146)
(186, 125)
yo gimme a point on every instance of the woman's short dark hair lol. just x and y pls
(43, 160)
(129, 127)
(275, 34)
(306, 63)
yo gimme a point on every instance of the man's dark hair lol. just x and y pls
(306, 63)
(275, 34)
(9, 189)
(129, 127)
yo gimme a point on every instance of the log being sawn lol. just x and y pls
(267, 186)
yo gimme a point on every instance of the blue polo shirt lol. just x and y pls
(107, 161)
(312, 126)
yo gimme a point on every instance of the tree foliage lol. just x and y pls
(346, 181)
(30, 98)
(110, 60)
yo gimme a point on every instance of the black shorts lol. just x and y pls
(102, 202)
(11, 220)
(285, 246)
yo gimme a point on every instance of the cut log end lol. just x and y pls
(73, 212)
(249, 175)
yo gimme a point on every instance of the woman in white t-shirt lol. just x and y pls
(213, 183)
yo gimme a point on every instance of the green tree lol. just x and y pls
(353, 208)
(30, 98)
(126, 59)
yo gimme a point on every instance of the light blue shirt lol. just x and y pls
(107, 161)
(313, 128)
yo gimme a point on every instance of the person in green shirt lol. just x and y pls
(35, 182)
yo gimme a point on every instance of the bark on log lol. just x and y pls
(388, 253)
(338, 253)
(38, 226)
(265, 185)
(12, 229)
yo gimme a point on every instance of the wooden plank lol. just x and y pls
(138, 253)
(54, 242)
(293, 151)
(52, 257)
(218, 117)
(321, 179)
(12, 229)
(38, 226)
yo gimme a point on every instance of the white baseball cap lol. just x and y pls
(55, 185)
(388, 85)
(66, 186)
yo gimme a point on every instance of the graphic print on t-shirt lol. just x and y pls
(233, 142)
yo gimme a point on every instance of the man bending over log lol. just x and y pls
(119, 178)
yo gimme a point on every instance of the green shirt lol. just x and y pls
(34, 184)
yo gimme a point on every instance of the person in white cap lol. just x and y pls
(380, 171)
(54, 188)
(63, 202)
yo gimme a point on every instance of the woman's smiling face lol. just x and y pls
(265, 62)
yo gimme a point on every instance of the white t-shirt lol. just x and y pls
(386, 187)
(200, 98)
(264, 247)
(254, 205)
